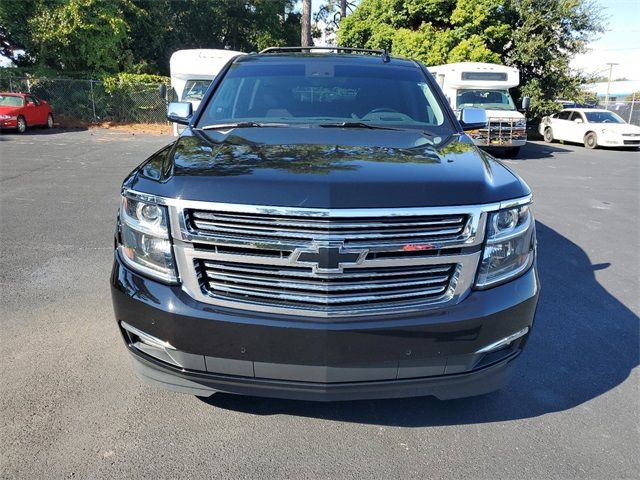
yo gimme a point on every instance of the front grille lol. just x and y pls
(326, 263)
(350, 231)
(300, 287)
(499, 131)
(632, 142)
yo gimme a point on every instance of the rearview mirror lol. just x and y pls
(473, 118)
(180, 112)
(526, 103)
(163, 91)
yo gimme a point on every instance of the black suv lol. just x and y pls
(324, 229)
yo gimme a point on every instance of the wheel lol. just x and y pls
(22, 124)
(49, 123)
(512, 152)
(590, 140)
(548, 135)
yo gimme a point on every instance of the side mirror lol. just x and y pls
(473, 118)
(578, 120)
(526, 103)
(180, 112)
(163, 91)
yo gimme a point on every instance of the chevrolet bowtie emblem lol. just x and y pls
(328, 258)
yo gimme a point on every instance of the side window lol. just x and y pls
(576, 115)
(34, 100)
(564, 115)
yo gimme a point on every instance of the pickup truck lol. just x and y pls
(325, 230)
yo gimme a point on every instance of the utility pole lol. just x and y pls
(606, 99)
(306, 24)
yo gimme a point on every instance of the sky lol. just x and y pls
(619, 44)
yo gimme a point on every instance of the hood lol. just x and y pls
(326, 168)
(617, 127)
(504, 114)
(9, 110)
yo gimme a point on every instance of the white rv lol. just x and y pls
(192, 72)
(486, 86)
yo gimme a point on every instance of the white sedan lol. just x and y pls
(593, 127)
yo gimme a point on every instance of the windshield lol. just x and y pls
(194, 90)
(322, 91)
(10, 101)
(487, 99)
(603, 117)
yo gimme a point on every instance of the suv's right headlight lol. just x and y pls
(510, 247)
(144, 239)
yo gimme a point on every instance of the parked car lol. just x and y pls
(22, 110)
(593, 127)
(324, 229)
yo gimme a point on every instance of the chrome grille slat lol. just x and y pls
(217, 278)
(304, 272)
(329, 300)
(216, 218)
(274, 231)
(262, 227)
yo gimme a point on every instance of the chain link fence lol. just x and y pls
(629, 110)
(91, 101)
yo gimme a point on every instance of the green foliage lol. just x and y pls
(539, 37)
(107, 36)
(123, 81)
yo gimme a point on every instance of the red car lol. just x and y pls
(20, 110)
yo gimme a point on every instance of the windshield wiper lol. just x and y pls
(224, 126)
(355, 125)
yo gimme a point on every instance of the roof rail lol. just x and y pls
(382, 52)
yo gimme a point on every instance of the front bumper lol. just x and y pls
(9, 123)
(202, 349)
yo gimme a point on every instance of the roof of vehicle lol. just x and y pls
(367, 59)
(584, 109)
(14, 94)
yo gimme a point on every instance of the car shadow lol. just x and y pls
(538, 151)
(584, 343)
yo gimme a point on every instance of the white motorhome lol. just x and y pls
(486, 86)
(192, 72)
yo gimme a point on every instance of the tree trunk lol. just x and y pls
(343, 9)
(306, 24)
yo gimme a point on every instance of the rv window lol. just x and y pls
(486, 76)
(195, 89)
(487, 99)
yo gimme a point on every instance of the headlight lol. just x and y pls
(8, 117)
(510, 247)
(607, 131)
(144, 239)
(521, 123)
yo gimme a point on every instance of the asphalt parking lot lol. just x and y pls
(71, 406)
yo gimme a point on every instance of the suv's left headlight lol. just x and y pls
(510, 247)
(145, 245)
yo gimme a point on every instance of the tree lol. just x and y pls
(305, 37)
(139, 36)
(539, 37)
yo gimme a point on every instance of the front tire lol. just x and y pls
(49, 123)
(21, 124)
(591, 140)
(548, 135)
